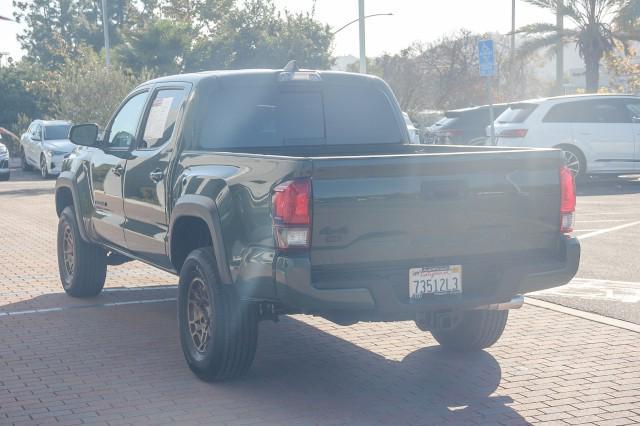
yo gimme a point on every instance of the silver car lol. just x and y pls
(44, 145)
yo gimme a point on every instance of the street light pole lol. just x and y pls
(105, 26)
(363, 55)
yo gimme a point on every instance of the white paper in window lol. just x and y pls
(157, 120)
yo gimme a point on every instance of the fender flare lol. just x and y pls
(204, 208)
(65, 180)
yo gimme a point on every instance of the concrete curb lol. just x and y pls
(585, 315)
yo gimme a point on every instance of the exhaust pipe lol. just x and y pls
(515, 303)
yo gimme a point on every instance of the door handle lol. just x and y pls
(117, 170)
(156, 175)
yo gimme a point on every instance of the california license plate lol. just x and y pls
(437, 280)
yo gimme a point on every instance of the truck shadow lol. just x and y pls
(302, 374)
(427, 386)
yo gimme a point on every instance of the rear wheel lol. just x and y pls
(474, 331)
(82, 266)
(575, 161)
(218, 332)
(5, 176)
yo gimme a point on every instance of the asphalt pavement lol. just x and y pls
(608, 226)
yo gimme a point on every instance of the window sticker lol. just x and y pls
(157, 118)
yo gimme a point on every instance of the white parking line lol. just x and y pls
(595, 289)
(606, 230)
(99, 305)
(155, 287)
(600, 220)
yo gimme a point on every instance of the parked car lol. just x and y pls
(598, 134)
(5, 172)
(44, 145)
(463, 126)
(414, 135)
(273, 192)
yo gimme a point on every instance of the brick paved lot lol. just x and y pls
(100, 361)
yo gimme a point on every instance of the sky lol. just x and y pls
(412, 20)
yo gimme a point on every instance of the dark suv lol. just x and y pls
(463, 126)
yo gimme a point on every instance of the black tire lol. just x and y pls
(226, 349)
(44, 169)
(5, 177)
(25, 166)
(577, 160)
(86, 275)
(475, 331)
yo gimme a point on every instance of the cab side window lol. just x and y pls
(161, 119)
(125, 124)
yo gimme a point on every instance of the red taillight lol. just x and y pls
(513, 133)
(567, 200)
(291, 203)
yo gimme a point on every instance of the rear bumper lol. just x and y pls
(383, 298)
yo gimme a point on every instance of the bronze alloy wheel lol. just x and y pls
(199, 314)
(68, 249)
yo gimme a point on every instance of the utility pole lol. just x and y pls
(512, 58)
(105, 26)
(560, 49)
(363, 54)
(513, 31)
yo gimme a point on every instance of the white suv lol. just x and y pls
(599, 134)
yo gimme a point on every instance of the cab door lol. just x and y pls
(146, 181)
(107, 168)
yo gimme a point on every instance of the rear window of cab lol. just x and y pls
(275, 115)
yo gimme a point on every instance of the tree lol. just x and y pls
(88, 92)
(258, 36)
(599, 25)
(21, 95)
(444, 74)
(159, 45)
(58, 26)
(624, 73)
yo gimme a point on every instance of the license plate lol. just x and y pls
(437, 280)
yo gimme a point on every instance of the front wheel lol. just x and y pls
(474, 331)
(44, 169)
(218, 332)
(23, 157)
(82, 266)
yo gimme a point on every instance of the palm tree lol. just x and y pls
(599, 26)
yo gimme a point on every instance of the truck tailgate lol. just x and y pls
(414, 209)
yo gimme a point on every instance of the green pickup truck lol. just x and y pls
(274, 192)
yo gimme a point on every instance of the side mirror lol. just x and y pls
(84, 134)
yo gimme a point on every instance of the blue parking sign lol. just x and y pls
(486, 58)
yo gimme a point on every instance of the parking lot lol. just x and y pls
(116, 359)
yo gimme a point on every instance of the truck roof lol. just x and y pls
(253, 74)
